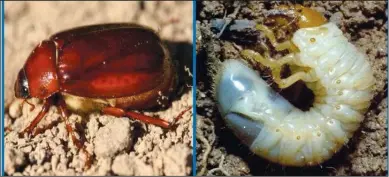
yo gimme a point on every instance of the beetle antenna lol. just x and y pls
(32, 105)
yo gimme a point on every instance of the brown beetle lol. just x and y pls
(110, 68)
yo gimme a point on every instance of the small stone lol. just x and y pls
(122, 166)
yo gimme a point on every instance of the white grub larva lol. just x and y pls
(340, 77)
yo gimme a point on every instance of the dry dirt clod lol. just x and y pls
(125, 164)
(15, 109)
(13, 159)
(113, 137)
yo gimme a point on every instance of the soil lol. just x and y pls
(120, 146)
(219, 152)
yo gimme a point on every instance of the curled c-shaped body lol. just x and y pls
(275, 129)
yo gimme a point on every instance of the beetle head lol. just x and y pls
(38, 78)
(21, 85)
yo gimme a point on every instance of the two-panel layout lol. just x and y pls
(194, 88)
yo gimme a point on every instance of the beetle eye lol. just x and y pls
(21, 85)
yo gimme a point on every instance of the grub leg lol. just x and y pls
(272, 38)
(276, 67)
(304, 76)
(269, 62)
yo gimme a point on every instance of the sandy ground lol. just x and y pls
(119, 146)
(221, 153)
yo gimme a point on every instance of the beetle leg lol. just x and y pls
(39, 130)
(118, 112)
(65, 116)
(45, 108)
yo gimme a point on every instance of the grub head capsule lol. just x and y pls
(307, 17)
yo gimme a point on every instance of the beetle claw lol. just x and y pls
(176, 119)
